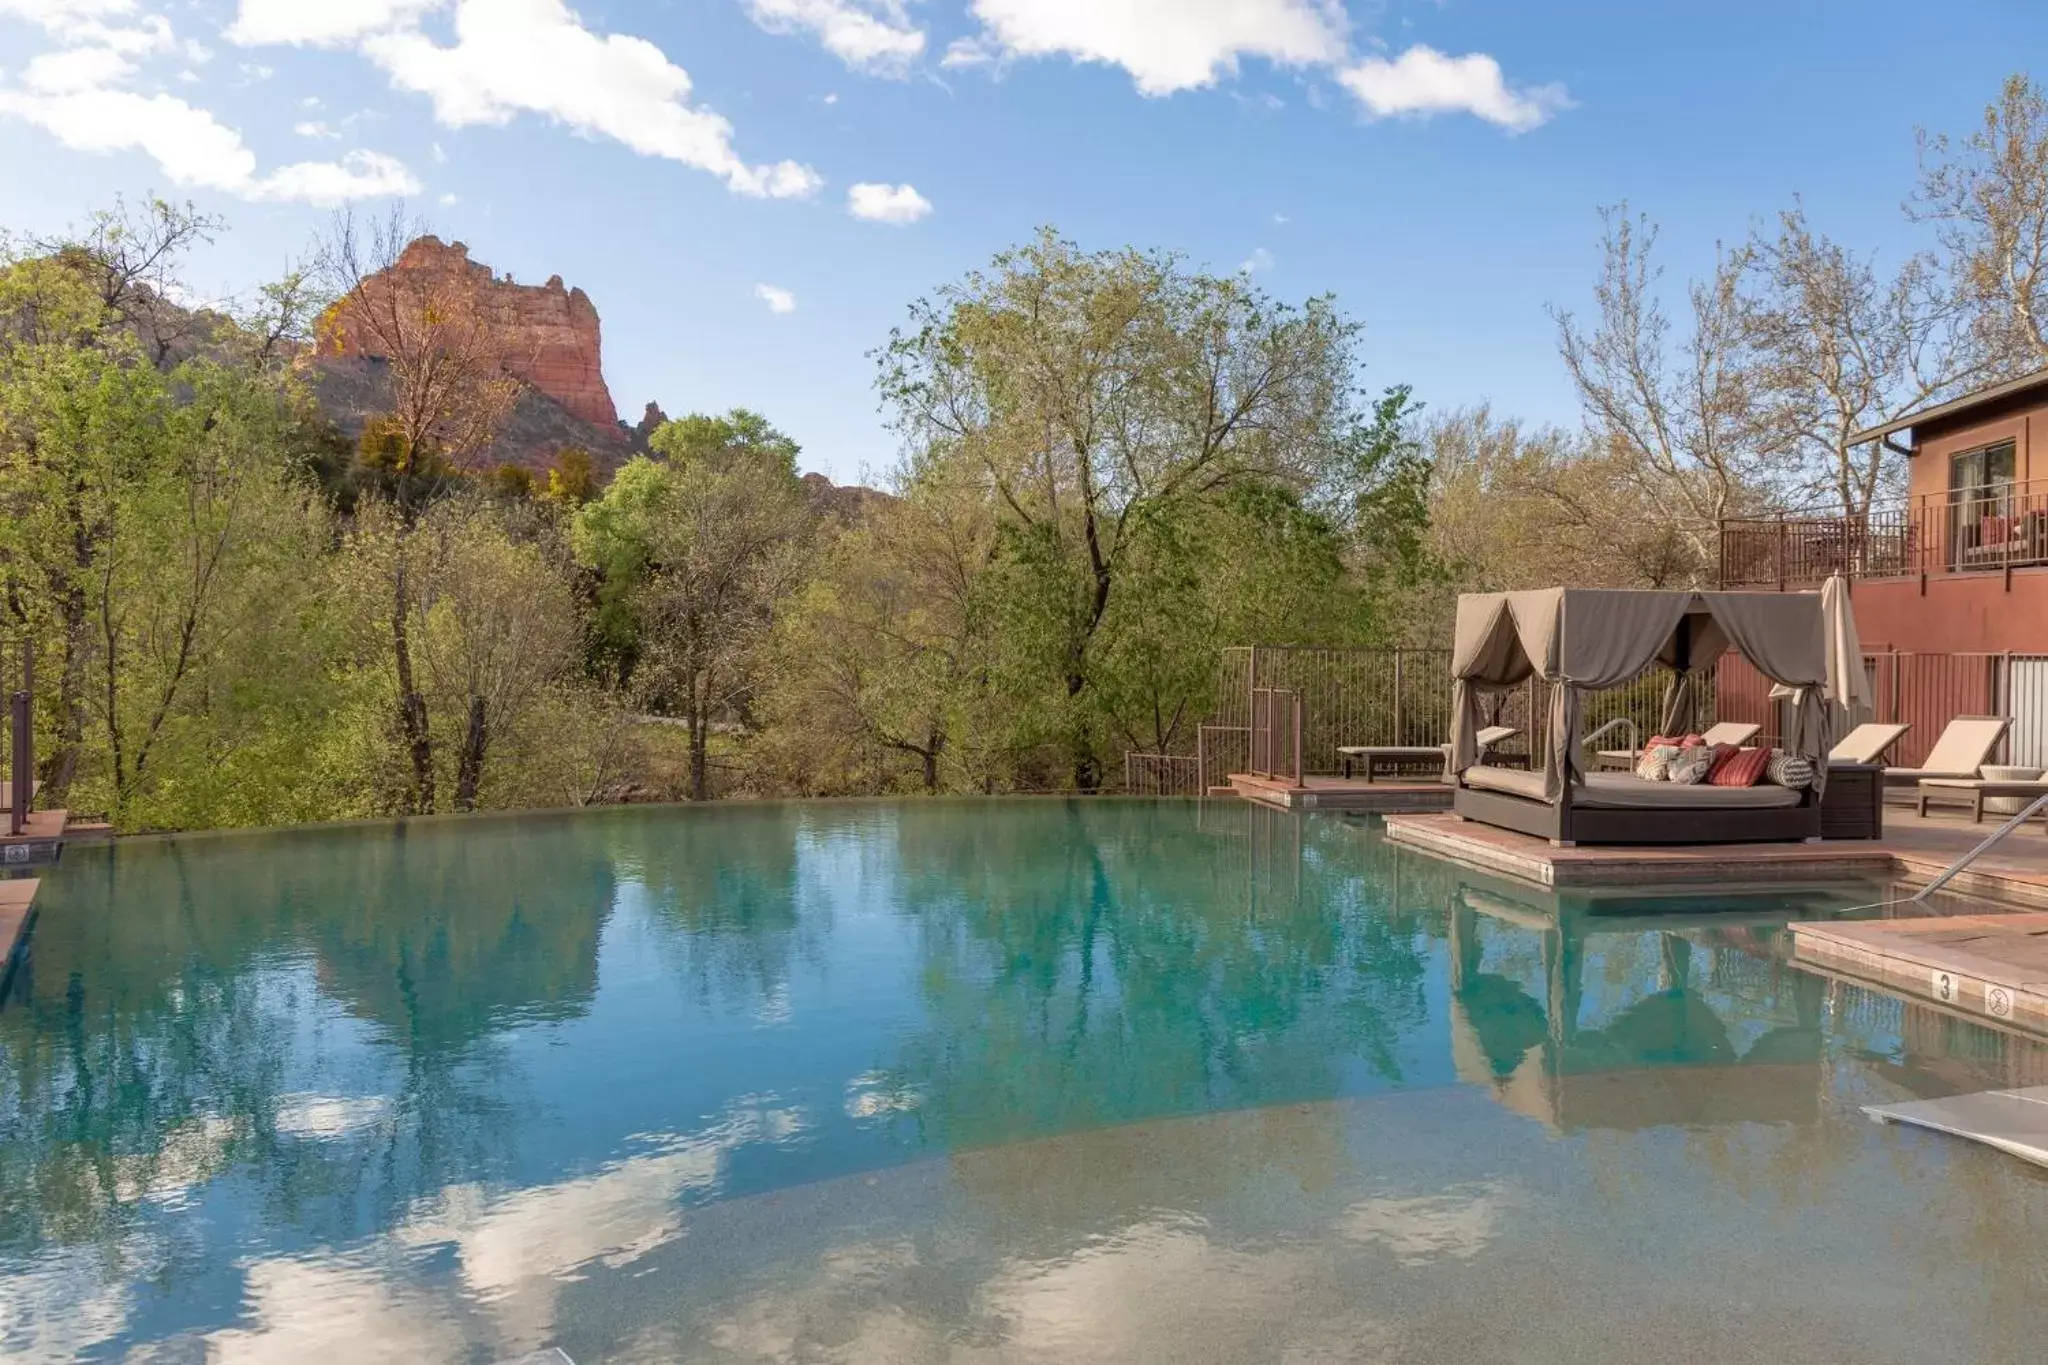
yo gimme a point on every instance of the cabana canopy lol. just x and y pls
(1583, 640)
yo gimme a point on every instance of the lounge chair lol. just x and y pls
(1976, 790)
(1867, 743)
(1379, 758)
(1964, 747)
(1734, 733)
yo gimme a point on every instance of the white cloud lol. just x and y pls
(79, 68)
(358, 175)
(79, 22)
(314, 128)
(76, 95)
(533, 56)
(778, 300)
(1260, 261)
(1165, 45)
(965, 52)
(868, 35)
(451, 199)
(320, 23)
(192, 148)
(1422, 82)
(896, 205)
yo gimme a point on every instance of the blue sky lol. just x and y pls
(1436, 164)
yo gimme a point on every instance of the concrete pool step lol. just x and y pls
(1536, 860)
(1992, 967)
(38, 844)
(2012, 1121)
(17, 916)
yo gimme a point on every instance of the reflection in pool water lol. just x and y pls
(1026, 1080)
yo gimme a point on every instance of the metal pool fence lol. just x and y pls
(1283, 712)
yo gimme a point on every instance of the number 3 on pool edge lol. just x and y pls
(1946, 988)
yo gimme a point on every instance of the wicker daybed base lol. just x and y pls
(1565, 823)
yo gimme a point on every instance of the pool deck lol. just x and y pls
(1913, 850)
(17, 917)
(1535, 860)
(1990, 968)
(40, 843)
(1340, 793)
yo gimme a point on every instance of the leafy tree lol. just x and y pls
(1089, 395)
(696, 547)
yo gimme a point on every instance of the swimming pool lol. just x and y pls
(967, 1081)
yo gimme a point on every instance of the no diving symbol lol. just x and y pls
(1998, 1002)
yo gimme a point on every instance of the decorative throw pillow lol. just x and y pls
(1655, 765)
(1692, 765)
(1742, 769)
(1692, 741)
(1789, 770)
(1722, 753)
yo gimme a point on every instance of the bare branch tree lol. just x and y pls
(1681, 418)
(1987, 195)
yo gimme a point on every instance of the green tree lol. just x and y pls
(1093, 395)
(696, 548)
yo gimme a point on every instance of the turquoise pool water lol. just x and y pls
(978, 1081)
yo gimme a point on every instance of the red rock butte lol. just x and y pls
(547, 335)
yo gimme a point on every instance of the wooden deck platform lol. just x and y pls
(1535, 860)
(17, 917)
(1992, 968)
(40, 844)
(1342, 794)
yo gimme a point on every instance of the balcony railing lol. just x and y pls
(1977, 530)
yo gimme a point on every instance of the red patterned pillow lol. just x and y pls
(1672, 742)
(1739, 768)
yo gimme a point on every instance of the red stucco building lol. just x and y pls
(1951, 587)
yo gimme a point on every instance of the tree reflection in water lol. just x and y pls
(483, 1074)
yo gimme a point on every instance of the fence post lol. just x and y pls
(21, 718)
(1784, 548)
(1295, 706)
(1399, 731)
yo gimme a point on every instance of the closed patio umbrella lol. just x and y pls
(1848, 685)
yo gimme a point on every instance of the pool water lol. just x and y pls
(969, 1081)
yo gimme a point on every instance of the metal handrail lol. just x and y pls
(1956, 868)
(1635, 733)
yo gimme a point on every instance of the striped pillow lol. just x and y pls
(1789, 770)
(1741, 768)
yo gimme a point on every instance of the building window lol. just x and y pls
(1983, 475)
(1981, 522)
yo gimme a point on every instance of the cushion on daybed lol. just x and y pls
(1691, 766)
(1743, 768)
(1512, 781)
(1621, 791)
(1655, 765)
(1789, 770)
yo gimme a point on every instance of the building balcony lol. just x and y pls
(1969, 531)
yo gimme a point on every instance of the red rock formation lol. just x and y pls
(548, 336)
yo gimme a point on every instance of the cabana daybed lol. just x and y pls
(1582, 640)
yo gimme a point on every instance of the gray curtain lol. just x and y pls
(1784, 636)
(1589, 639)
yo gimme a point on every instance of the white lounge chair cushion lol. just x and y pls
(1866, 743)
(1964, 747)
